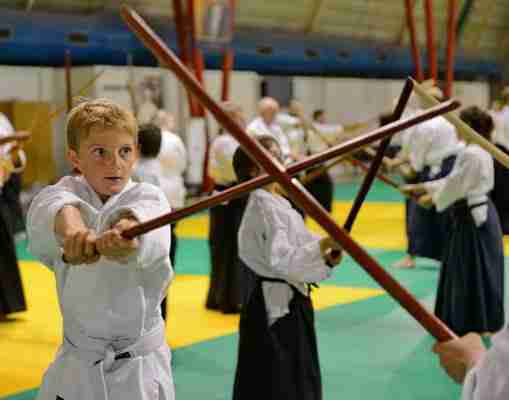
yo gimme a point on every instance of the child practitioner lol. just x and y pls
(470, 293)
(114, 344)
(278, 357)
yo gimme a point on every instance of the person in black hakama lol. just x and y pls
(230, 281)
(470, 296)
(430, 148)
(12, 298)
(278, 355)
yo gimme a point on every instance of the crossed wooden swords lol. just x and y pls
(283, 175)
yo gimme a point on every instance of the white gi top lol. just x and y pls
(6, 129)
(501, 121)
(221, 159)
(472, 178)
(488, 380)
(173, 159)
(323, 137)
(107, 307)
(296, 135)
(259, 127)
(429, 143)
(275, 243)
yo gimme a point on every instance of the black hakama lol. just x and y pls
(470, 295)
(173, 255)
(428, 229)
(10, 196)
(500, 193)
(225, 275)
(322, 189)
(12, 298)
(280, 361)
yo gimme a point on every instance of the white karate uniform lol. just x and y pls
(221, 159)
(108, 308)
(295, 133)
(472, 178)
(275, 243)
(429, 143)
(324, 136)
(173, 159)
(488, 380)
(259, 127)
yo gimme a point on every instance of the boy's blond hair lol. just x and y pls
(98, 113)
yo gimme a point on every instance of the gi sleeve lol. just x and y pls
(147, 202)
(288, 259)
(488, 379)
(42, 239)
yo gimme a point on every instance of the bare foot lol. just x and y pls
(406, 263)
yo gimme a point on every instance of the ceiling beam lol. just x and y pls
(315, 14)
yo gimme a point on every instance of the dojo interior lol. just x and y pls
(349, 58)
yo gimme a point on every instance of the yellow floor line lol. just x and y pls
(373, 219)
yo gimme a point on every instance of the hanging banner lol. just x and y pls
(214, 21)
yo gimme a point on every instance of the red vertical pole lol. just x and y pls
(228, 59)
(430, 40)
(180, 27)
(199, 68)
(410, 18)
(451, 46)
(68, 86)
(184, 36)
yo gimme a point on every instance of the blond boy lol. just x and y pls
(109, 288)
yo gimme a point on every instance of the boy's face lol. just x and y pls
(106, 158)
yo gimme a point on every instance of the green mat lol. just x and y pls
(370, 349)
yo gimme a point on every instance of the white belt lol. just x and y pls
(101, 360)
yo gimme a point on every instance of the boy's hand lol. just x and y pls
(113, 246)
(78, 241)
(458, 356)
(331, 251)
(79, 247)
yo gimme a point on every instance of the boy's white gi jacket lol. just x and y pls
(114, 343)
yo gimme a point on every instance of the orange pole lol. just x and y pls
(430, 40)
(68, 87)
(410, 19)
(451, 46)
(228, 59)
